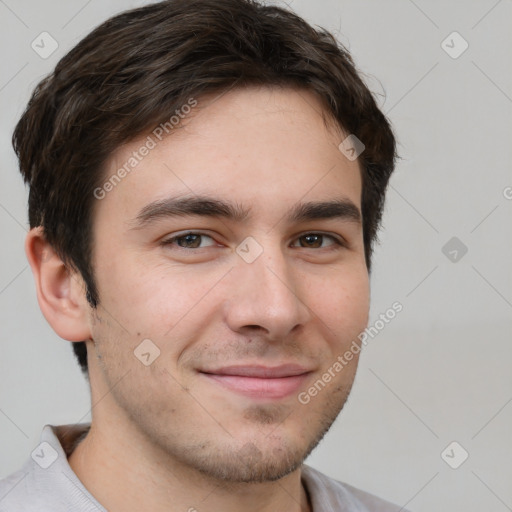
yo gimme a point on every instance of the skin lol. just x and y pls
(165, 436)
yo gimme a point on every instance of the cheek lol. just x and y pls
(167, 304)
(342, 302)
(146, 295)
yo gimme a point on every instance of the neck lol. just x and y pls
(125, 473)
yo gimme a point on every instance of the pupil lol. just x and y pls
(190, 241)
(313, 240)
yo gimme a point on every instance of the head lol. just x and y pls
(221, 119)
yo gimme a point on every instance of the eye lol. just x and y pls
(190, 241)
(316, 241)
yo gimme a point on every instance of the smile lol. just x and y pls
(259, 381)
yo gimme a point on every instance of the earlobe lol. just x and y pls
(60, 293)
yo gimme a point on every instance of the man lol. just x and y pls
(207, 179)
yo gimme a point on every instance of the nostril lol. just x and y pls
(254, 328)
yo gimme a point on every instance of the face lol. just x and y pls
(234, 249)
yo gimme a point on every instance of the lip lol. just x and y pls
(260, 381)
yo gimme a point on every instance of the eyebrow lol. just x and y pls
(343, 209)
(205, 206)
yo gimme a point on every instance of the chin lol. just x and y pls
(252, 464)
(262, 458)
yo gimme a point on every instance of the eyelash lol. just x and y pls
(172, 240)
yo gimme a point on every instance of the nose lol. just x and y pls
(267, 296)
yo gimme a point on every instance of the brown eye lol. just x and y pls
(189, 241)
(311, 241)
(316, 241)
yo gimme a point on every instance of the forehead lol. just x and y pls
(264, 147)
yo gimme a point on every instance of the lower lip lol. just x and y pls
(260, 388)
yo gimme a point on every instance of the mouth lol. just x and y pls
(260, 382)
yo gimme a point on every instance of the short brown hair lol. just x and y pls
(133, 71)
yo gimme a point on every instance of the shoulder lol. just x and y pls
(33, 489)
(328, 495)
(46, 483)
(18, 492)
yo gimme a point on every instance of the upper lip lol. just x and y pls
(259, 371)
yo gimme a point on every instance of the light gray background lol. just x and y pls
(440, 371)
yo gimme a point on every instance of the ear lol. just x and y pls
(60, 293)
